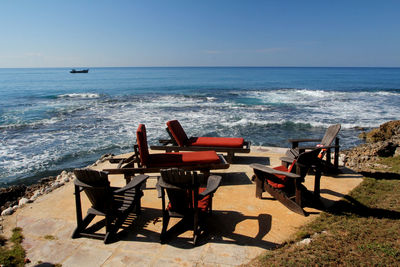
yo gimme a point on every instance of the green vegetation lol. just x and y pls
(362, 230)
(50, 237)
(14, 255)
(393, 162)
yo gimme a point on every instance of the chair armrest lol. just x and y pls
(212, 185)
(79, 183)
(263, 168)
(303, 140)
(247, 144)
(326, 147)
(115, 160)
(159, 190)
(137, 180)
(287, 159)
(123, 160)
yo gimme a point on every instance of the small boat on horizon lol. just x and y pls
(79, 71)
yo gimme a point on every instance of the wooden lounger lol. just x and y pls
(143, 162)
(180, 142)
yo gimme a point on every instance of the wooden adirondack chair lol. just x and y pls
(285, 184)
(187, 200)
(114, 203)
(325, 146)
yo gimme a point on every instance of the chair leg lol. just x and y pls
(163, 235)
(259, 187)
(138, 207)
(195, 217)
(336, 155)
(317, 183)
(109, 230)
(229, 156)
(298, 192)
(82, 224)
(165, 214)
(195, 227)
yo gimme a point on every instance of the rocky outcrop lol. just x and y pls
(385, 132)
(380, 143)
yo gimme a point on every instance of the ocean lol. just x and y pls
(51, 120)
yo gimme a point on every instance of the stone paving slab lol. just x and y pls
(240, 228)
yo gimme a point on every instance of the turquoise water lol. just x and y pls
(52, 120)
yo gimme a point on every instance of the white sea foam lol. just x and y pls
(38, 123)
(79, 95)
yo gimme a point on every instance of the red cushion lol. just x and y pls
(141, 139)
(202, 204)
(216, 141)
(182, 159)
(282, 177)
(177, 132)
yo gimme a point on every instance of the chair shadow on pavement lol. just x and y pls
(234, 178)
(251, 159)
(220, 228)
(222, 225)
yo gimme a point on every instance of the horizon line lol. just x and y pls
(221, 66)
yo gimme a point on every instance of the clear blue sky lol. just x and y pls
(84, 33)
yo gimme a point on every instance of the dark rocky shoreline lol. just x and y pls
(9, 196)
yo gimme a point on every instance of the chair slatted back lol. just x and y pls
(308, 159)
(175, 128)
(177, 177)
(141, 139)
(330, 134)
(180, 194)
(97, 187)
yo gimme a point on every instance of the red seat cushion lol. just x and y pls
(182, 159)
(177, 132)
(202, 204)
(282, 177)
(217, 141)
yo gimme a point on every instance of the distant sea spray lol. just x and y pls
(51, 120)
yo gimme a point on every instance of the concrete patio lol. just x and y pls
(240, 228)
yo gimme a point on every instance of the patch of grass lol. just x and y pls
(15, 255)
(363, 229)
(393, 162)
(50, 237)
